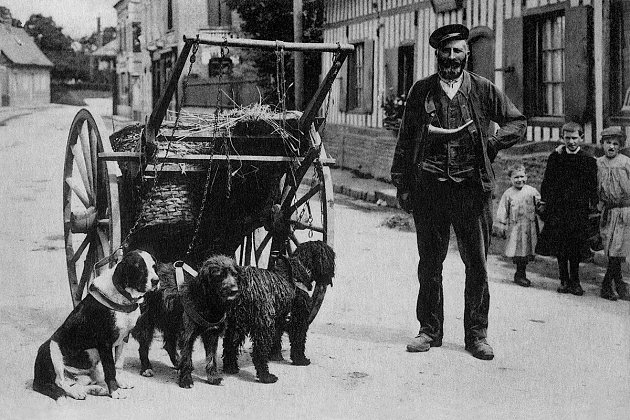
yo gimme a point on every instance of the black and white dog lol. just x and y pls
(81, 356)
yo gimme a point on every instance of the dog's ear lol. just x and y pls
(130, 270)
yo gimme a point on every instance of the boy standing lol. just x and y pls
(569, 191)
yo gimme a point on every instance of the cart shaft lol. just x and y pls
(271, 45)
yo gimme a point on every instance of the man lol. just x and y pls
(569, 191)
(442, 169)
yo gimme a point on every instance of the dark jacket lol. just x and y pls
(569, 189)
(486, 102)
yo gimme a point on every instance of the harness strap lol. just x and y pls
(180, 267)
(296, 283)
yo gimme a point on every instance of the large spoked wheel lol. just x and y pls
(304, 212)
(91, 214)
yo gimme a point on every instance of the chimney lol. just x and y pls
(99, 34)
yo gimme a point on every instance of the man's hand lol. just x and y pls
(404, 200)
(499, 231)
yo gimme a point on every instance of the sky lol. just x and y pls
(76, 17)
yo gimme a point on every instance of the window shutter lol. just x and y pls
(342, 77)
(368, 75)
(391, 72)
(513, 59)
(578, 49)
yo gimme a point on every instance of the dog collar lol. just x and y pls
(198, 318)
(180, 267)
(115, 306)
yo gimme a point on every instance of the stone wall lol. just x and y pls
(367, 150)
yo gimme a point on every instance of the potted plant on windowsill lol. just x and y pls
(393, 107)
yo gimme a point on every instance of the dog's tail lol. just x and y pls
(49, 389)
(44, 374)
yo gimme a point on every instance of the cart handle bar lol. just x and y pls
(270, 45)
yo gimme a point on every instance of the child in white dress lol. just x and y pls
(516, 221)
(613, 176)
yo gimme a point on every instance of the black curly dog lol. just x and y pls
(197, 309)
(266, 298)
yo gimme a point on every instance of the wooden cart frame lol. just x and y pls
(93, 179)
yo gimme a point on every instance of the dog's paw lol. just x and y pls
(276, 357)
(97, 390)
(118, 395)
(123, 382)
(231, 369)
(215, 380)
(62, 401)
(77, 392)
(267, 378)
(185, 381)
(301, 361)
(147, 372)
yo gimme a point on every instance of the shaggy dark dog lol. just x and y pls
(196, 310)
(266, 298)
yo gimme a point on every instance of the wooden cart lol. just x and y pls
(255, 190)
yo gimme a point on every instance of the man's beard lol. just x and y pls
(451, 68)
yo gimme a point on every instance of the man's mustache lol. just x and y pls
(452, 62)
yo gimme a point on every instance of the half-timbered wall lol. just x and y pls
(392, 23)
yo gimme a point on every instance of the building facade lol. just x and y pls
(24, 69)
(151, 34)
(127, 96)
(557, 60)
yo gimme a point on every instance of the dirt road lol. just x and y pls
(557, 356)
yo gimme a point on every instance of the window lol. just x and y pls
(356, 79)
(136, 31)
(544, 54)
(405, 69)
(619, 60)
(169, 14)
(219, 15)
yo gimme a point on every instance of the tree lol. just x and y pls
(57, 47)
(5, 16)
(273, 20)
(47, 35)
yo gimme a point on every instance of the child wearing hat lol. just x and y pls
(613, 187)
(516, 221)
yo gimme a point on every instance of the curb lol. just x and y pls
(380, 197)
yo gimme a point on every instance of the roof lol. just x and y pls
(108, 50)
(20, 48)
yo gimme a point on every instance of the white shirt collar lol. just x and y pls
(450, 87)
(571, 153)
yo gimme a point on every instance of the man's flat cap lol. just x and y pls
(448, 33)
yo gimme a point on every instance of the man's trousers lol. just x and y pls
(436, 206)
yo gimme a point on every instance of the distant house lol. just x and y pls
(24, 69)
(103, 59)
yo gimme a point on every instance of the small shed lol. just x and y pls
(24, 69)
